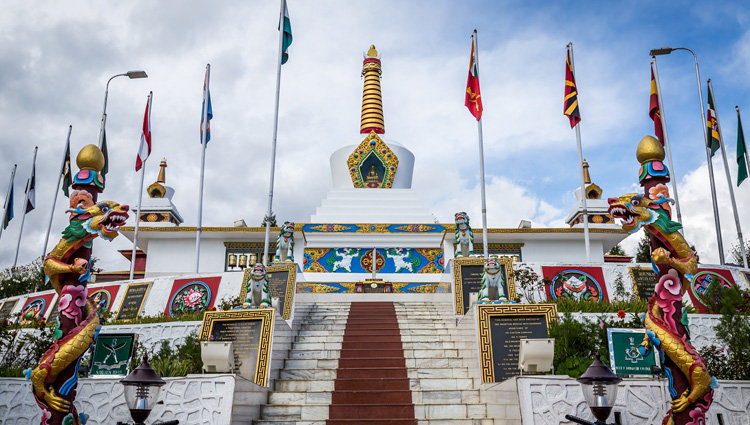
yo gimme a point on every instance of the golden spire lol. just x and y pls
(372, 101)
(162, 172)
(586, 176)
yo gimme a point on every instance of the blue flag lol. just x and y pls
(8, 208)
(208, 116)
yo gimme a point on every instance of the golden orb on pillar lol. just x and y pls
(90, 158)
(649, 149)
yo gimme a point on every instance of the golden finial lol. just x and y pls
(586, 176)
(163, 171)
(649, 149)
(90, 158)
(372, 101)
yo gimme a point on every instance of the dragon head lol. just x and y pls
(258, 272)
(634, 209)
(492, 265)
(104, 218)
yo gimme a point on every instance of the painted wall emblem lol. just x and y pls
(33, 311)
(191, 297)
(576, 285)
(366, 262)
(700, 283)
(102, 299)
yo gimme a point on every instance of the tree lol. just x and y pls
(616, 250)
(273, 220)
(643, 255)
(22, 279)
(736, 253)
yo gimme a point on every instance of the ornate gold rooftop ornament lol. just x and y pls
(157, 189)
(372, 101)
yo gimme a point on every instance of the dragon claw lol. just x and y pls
(681, 403)
(56, 402)
(661, 256)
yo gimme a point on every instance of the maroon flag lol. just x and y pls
(654, 109)
(571, 94)
(473, 98)
(145, 149)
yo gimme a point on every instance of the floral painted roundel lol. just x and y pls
(702, 280)
(191, 297)
(576, 285)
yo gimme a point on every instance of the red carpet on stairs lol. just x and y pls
(372, 386)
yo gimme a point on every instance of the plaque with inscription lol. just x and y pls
(251, 333)
(52, 318)
(644, 282)
(500, 328)
(467, 279)
(7, 308)
(282, 280)
(132, 302)
(112, 353)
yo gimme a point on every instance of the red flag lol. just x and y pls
(145, 149)
(571, 94)
(654, 109)
(473, 98)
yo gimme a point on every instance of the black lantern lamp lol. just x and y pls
(599, 390)
(142, 388)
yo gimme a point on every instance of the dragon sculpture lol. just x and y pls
(492, 282)
(285, 243)
(68, 267)
(464, 236)
(257, 288)
(674, 263)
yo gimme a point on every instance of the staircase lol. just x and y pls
(367, 363)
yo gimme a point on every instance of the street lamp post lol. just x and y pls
(665, 51)
(129, 74)
(599, 390)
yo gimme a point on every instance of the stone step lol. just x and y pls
(371, 397)
(305, 412)
(368, 411)
(327, 337)
(450, 411)
(377, 384)
(355, 353)
(311, 397)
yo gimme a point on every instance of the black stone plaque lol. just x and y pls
(747, 277)
(500, 328)
(373, 287)
(506, 333)
(52, 318)
(245, 336)
(251, 333)
(644, 282)
(470, 281)
(132, 302)
(7, 308)
(277, 285)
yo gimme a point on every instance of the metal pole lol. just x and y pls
(140, 198)
(275, 132)
(26, 201)
(666, 141)
(204, 128)
(374, 262)
(580, 167)
(708, 157)
(729, 181)
(54, 202)
(104, 110)
(485, 241)
(7, 194)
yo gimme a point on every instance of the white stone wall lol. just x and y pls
(545, 400)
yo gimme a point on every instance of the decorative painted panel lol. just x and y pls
(373, 228)
(191, 294)
(360, 260)
(575, 282)
(350, 287)
(702, 279)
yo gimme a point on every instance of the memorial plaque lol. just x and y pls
(132, 302)
(7, 308)
(467, 278)
(500, 328)
(52, 318)
(624, 357)
(282, 280)
(111, 356)
(644, 282)
(251, 333)
(747, 277)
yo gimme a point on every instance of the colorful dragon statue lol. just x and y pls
(674, 262)
(68, 267)
(285, 243)
(492, 282)
(464, 236)
(257, 288)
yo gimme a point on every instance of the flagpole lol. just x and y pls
(729, 180)
(580, 167)
(26, 201)
(204, 134)
(663, 118)
(7, 194)
(275, 132)
(140, 196)
(485, 241)
(54, 201)
(747, 159)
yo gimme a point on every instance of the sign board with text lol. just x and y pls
(111, 356)
(500, 328)
(251, 333)
(644, 282)
(132, 302)
(624, 357)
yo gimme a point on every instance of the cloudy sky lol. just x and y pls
(56, 60)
